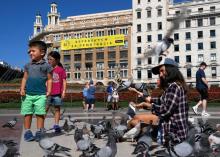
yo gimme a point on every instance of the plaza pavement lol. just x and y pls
(32, 149)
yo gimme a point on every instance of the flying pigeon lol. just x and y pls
(10, 124)
(51, 148)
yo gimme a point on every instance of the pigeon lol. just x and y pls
(132, 133)
(214, 140)
(97, 130)
(50, 148)
(144, 142)
(8, 148)
(110, 150)
(73, 121)
(66, 127)
(11, 124)
(161, 48)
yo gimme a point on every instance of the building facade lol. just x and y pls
(142, 27)
(196, 40)
(85, 63)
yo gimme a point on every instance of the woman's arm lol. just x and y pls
(64, 89)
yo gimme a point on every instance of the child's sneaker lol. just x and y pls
(57, 129)
(194, 108)
(131, 111)
(28, 136)
(39, 134)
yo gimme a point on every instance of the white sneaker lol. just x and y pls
(205, 114)
(194, 108)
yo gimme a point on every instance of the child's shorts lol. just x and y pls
(54, 100)
(33, 104)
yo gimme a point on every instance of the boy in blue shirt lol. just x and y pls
(33, 89)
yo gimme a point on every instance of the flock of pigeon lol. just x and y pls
(203, 140)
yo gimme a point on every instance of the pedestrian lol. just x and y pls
(58, 91)
(115, 98)
(172, 106)
(202, 88)
(91, 96)
(33, 89)
(109, 97)
(85, 89)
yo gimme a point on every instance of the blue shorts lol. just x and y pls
(54, 100)
(90, 101)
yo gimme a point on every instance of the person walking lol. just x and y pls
(202, 88)
(91, 96)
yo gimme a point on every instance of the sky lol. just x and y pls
(18, 16)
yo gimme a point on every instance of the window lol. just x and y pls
(66, 58)
(200, 22)
(149, 74)
(188, 23)
(212, 33)
(214, 71)
(138, 1)
(100, 55)
(88, 34)
(159, 25)
(111, 55)
(212, 21)
(148, 13)
(88, 75)
(124, 73)
(159, 37)
(177, 12)
(138, 15)
(139, 50)
(176, 48)
(200, 10)
(149, 38)
(124, 54)
(176, 36)
(100, 65)
(77, 66)
(88, 65)
(139, 74)
(124, 31)
(77, 57)
(213, 56)
(88, 56)
(188, 47)
(200, 34)
(148, 0)
(213, 45)
(124, 63)
(111, 74)
(159, 12)
(189, 72)
(149, 60)
(212, 8)
(99, 75)
(125, 44)
(200, 58)
(111, 32)
(139, 28)
(139, 39)
(149, 28)
(66, 67)
(188, 35)
(177, 59)
(100, 33)
(68, 76)
(200, 46)
(139, 61)
(111, 64)
(188, 58)
(77, 75)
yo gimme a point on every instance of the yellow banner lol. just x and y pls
(82, 43)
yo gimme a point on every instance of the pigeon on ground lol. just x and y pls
(73, 121)
(144, 142)
(66, 127)
(133, 133)
(214, 140)
(110, 150)
(11, 124)
(8, 148)
(50, 148)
